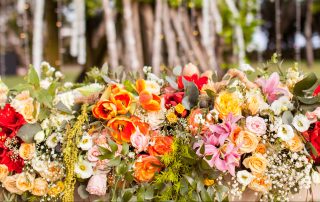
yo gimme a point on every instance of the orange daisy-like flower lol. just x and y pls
(121, 129)
(104, 110)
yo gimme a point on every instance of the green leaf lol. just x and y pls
(172, 82)
(311, 148)
(63, 108)
(113, 145)
(115, 162)
(33, 77)
(127, 195)
(105, 153)
(28, 131)
(205, 196)
(83, 192)
(148, 195)
(191, 181)
(309, 101)
(210, 93)
(192, 92)
(125, 148)
(304, 84)
(221, 192)
(186, 102)
(129, 86)
(202, 149)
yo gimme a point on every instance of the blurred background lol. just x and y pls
(75, 35)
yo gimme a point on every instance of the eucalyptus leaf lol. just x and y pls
(177, 71)
(287, 117)
(33, 77)
(125, 148)
(127, 195)
(113, 145)
(309, 101)
(28, 131)
(114, 162)
(172, 82)
(83, 192)
(63, 108)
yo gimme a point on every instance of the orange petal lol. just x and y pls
(140, 85)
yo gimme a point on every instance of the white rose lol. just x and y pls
(39, 137)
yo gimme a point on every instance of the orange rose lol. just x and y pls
(160, 145)
(261, 148)
(105, 110)
(146, 167)
(121, 129)
(26, 151)
(122, 100)
(143, 126)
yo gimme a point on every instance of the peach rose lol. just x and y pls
(52, 172)
(146, 167)
(295, 144)
(247, 141)
(261, 148)
(190, 69)
(25, 105)
(104, 110)
(97, 185)
(3, 171)
(122, 129)
(40, 187)
(25, 181)
(93, 154)
(10, 184)
(160, 145)
(27, 151)
(259, 184)
(122, 100)
(257, 163)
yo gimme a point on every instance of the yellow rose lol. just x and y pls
(26, 151)
(259, 184)
(295, 144)
(9, 183)
(40, 187)
(3, 172)
(226, 103)
(25, 181)
(56, 189)
(257, 163)
(247, 141)
(25, 105)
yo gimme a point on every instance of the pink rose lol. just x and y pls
(314, 115)
(101, 165)
(256, 125)
(93, 154)
(139, 141)
(190, 69)
(97, 185)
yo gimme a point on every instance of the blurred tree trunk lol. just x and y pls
(278, 26)
(111, 35)
(308, 34)
(157, 41)
(51, 48)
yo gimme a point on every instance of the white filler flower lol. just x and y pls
(244, 177)
(301, 123)
(285, 132)
(83, 169)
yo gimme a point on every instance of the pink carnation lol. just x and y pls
(97, 185)
(256, 125)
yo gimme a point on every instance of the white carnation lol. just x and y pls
(285, 132)
(244, 177)
(301, 123)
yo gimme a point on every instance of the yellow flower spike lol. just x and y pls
(171, 117)
(208, 182)
(179, 108)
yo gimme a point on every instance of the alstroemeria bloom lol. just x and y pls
(271, 88)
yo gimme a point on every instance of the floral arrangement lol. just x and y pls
(183, 136)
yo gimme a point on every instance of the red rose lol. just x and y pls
(12, 160)
(10, 120)
(313, 136)
(198, 81)
(316, 91)
(172, 99)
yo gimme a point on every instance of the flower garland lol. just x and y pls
(70, 153)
